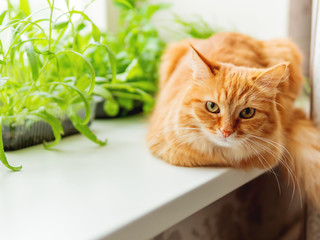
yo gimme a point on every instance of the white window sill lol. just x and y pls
(81, 191)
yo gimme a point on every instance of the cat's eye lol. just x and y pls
(247, 113)
(212, 107)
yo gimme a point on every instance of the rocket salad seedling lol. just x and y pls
(137, 49)
(43, 70)
(51, 65)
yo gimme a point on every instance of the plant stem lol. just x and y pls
(9, 8)
(25, 96)
(50, 24)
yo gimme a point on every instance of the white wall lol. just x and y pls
(96, 11)
(263, 19)
(260, 18)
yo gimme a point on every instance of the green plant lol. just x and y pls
(137, 49)
(196, 28)
(43, 69)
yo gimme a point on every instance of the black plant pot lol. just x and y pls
(28, 134)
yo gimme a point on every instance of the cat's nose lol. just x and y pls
(225, 133)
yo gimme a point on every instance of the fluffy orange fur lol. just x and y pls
(234, 72)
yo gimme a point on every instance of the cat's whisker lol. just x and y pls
(293, 179)
(291, 175)
(287, 156)
(270, 168)
(277, 145)
(280, 147)
(258, 155)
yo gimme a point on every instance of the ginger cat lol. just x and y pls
(229, 101)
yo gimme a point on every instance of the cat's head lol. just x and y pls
(234, 106)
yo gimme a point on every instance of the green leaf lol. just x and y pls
(152, 9)
(81, 26)
(95, 32)
(1, 48)
(92, 79)
(129, 92)
(132, 96)
(130, 70)
(19, 34)
(124, 3)
(3, 157)
(197, 28)
(60, 25)
(143, 85)
(85, 130)
(32, 60)
(84, 100)
(55, 125)
(100, 91)
(148, 106)
(83, 82)
(111, 108)
(126, 103)
(24, 7)
(2, 16)
(37, 50)
(56, 99)
(67, 3)
(112, 59)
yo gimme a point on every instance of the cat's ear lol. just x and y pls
(202, 68)
(273, 76)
